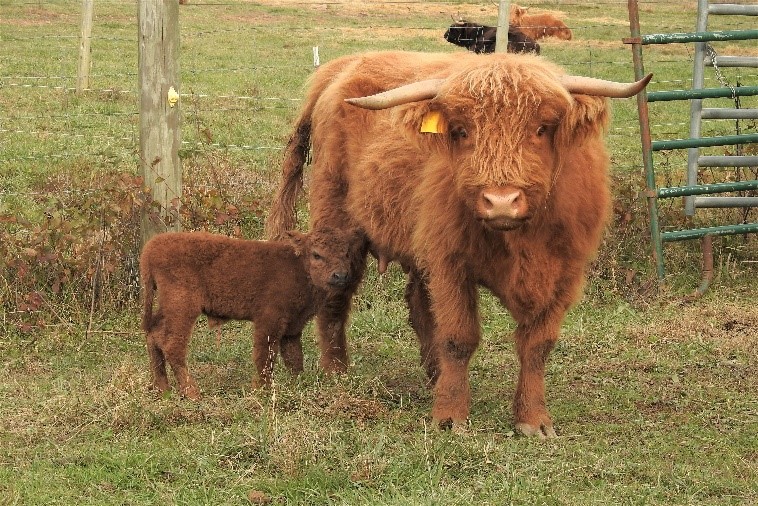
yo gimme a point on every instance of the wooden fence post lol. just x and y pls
(159, 113)
(85, 51)
(503, 20)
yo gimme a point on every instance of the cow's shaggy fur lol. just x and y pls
(279, 286)
(510, 132)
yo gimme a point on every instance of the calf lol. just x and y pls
(278, 285)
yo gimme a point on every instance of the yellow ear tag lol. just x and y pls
(433, 123)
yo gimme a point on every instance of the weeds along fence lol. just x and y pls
(71, 190)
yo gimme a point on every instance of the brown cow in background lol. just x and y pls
(537, 26)
(472, 171)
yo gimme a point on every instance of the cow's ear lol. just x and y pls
(298, 240)
(433, 122)
(586, 115)
(423, 123)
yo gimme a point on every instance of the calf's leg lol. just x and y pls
(291, 349)
(174, 347)
(157, 359)
(179, 308)
(538, 298)
(265, 348)
(331, 321)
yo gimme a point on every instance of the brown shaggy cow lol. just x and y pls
(277, 285)
(507, 190)
(537, 26)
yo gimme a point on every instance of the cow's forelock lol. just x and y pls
(501, 105)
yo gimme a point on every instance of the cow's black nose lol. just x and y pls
(339, 278)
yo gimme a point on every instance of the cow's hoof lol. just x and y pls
(542, 431)
(456, 426)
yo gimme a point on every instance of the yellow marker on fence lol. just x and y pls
(173, 97)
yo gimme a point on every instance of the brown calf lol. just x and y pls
(278, 286)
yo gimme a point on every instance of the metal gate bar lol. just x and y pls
(696, 95)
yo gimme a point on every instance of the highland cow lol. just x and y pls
(538, 26)
(278, 286)
(470, 172)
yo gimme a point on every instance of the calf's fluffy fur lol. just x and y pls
(278, 285)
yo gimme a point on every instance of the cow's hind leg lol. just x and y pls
(422, 321)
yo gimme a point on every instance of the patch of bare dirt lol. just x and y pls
(731, 326)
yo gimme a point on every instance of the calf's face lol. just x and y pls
(330, 255)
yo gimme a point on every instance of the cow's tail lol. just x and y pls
(282, 216)
(148, 291)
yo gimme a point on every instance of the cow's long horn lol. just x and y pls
(603, 88)
(414, 92)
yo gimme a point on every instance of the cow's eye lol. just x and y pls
(458, 133)
(316, 256)
(541, 130)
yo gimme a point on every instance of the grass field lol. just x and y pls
(653, 396)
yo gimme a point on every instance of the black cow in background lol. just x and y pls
(481, 39)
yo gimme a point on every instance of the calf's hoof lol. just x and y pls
(456, 426)
(542, 431)
(190, 392)
(334, 365)
(159, 389)
(261, 383)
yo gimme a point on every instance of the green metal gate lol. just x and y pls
(694, 190)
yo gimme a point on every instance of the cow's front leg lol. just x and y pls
(455, 340)
(534, 342)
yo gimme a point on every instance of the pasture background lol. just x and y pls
(654, 398)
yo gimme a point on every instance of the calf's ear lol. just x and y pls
(358, 240)
(298, 240)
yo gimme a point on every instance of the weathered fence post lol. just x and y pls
(159, 113)
(503, 20)
(85, 51)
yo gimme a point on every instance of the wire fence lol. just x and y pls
(590, 34)
(230, 76)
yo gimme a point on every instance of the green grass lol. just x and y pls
(653, 398)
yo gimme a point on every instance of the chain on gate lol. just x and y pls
(711, 52)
